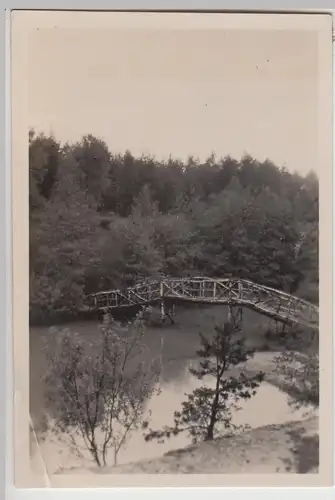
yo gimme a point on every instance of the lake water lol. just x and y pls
(269, 406)
(175, 343)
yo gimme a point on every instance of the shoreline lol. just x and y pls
(262, 361)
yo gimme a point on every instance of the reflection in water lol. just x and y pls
(269, 406)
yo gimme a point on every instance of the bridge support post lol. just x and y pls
(162, 310)
(240, 316)
(230, 315)
(161, 292)
(235, 318)
(240, 309)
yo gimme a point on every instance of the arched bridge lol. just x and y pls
(232, 292)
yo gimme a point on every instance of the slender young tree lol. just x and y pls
(101, 390)
(207, 412)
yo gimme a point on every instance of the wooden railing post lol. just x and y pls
(240, 290)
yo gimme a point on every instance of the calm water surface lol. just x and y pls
(179, 343)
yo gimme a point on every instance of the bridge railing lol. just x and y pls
(280, 303)
(223, 291)
(138, 294)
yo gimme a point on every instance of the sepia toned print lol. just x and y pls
(176, 320)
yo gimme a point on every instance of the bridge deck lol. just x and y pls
(234, 292)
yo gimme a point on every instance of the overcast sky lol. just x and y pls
(182, 93)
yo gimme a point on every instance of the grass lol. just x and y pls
(305, 451)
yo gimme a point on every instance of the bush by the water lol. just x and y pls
(101, 388)
(298, 365)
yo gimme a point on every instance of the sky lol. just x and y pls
(179, 92)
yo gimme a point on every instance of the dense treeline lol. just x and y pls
(99, 220)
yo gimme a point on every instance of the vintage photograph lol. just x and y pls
(173, 246)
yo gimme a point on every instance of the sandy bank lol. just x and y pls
(292, 447)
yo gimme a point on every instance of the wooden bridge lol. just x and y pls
(231, 292)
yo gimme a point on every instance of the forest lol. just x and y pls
(100, 220)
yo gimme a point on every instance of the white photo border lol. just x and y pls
(6, 362)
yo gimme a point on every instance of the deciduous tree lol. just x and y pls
(101, 390)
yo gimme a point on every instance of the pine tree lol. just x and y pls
(210, 407)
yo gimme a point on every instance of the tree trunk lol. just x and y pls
(95, 455)
(210, 433)
(210, 428)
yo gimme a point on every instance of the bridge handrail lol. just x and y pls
(230, 291)
(209, 279)
(281, 293)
